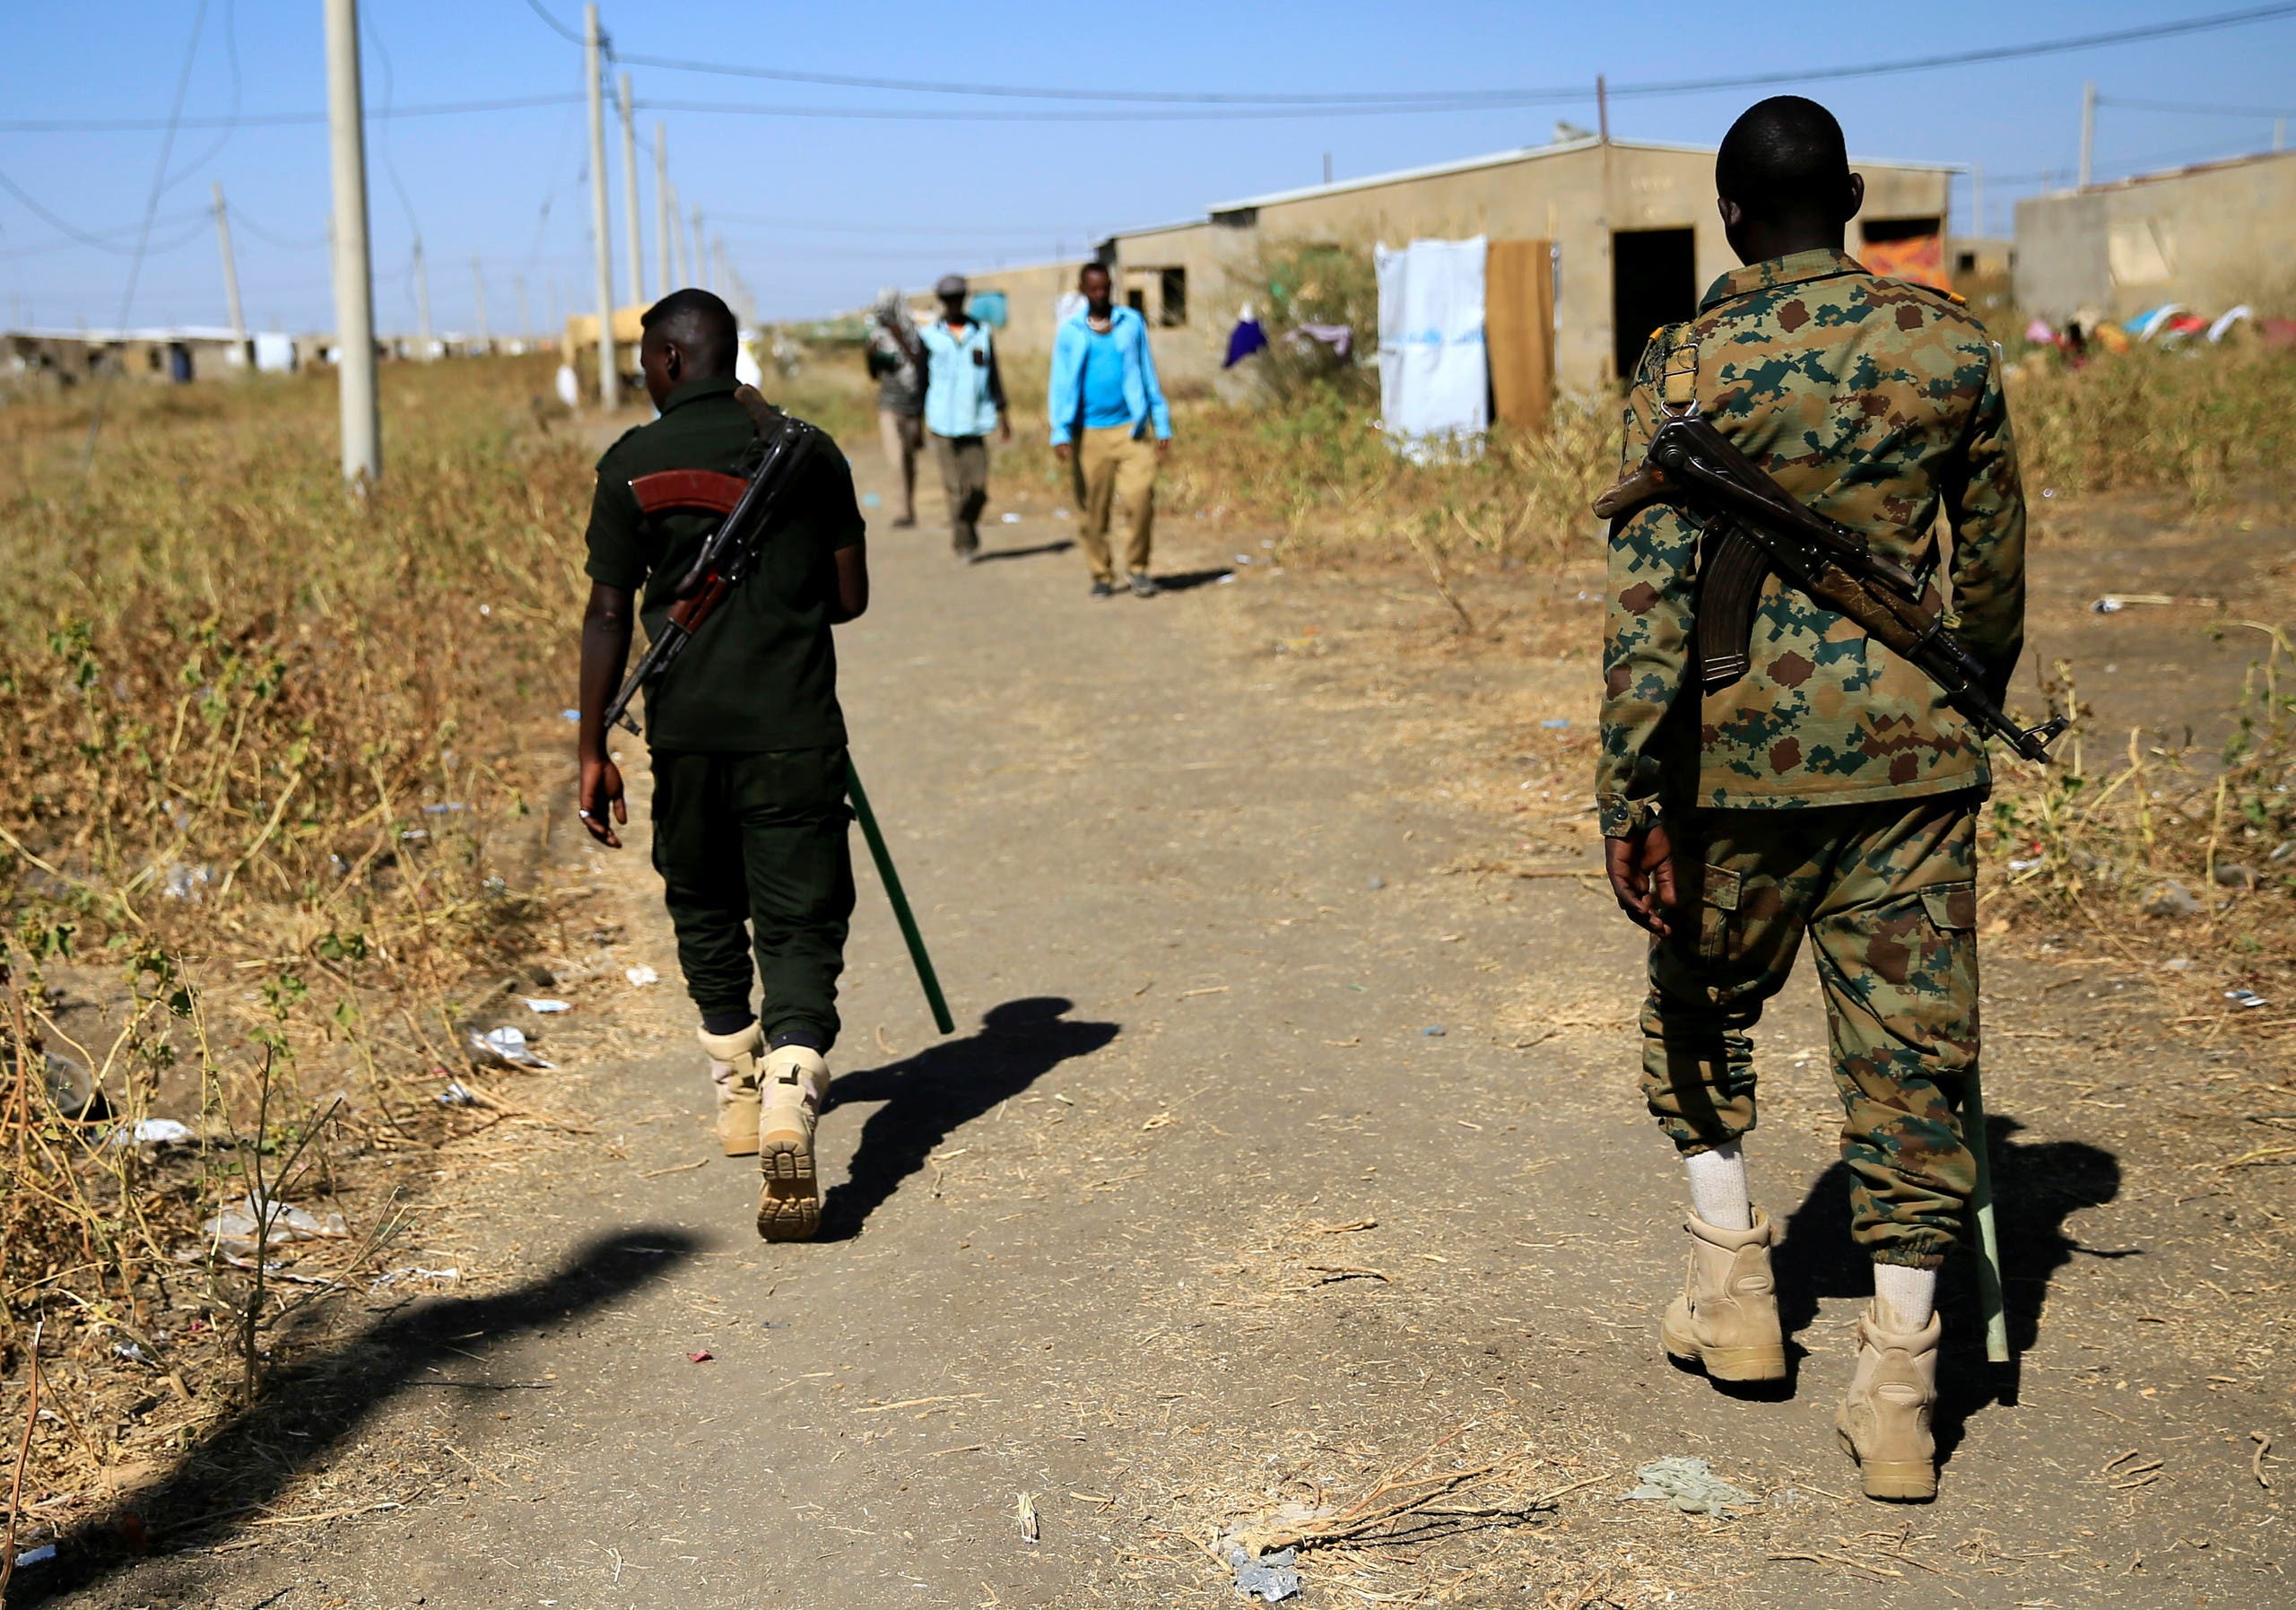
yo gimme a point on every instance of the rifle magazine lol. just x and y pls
(1732, 568)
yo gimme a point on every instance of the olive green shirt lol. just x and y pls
(761, 673)
(1878, 403)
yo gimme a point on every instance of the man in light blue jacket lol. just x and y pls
(1110, 423)
(964, 401)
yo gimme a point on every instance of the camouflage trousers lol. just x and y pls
(1887, 894)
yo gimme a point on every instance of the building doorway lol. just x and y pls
(1653, 281)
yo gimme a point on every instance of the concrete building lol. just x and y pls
(2210, 237)
(177, 353)
(1632, 223)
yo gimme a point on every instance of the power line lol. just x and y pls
(143, 240)
(231, 119)
(269, 238)
(2181, 106)
(94, 238)
(439, 109)
(1456, 99)
(1226, 106)
(194, 226)
(929, 231)
(554, 25)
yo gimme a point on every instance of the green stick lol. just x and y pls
(901, 913)
(1988, 1244)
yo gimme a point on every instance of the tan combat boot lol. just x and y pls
(795, 1083)
(1884, 1424)
(1726, 1317)
(734, 1070)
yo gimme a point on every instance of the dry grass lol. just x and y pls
(2166, 853)
(2202, 428)
(266, 749)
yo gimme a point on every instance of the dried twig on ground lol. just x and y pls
(24, 1453)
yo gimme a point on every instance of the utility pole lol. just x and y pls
(601, 223)
(629, 197)
(354, 279)
(478, 290)
(676, 239)
(700, 262)
(230, 275)
(1603, 107)
(2088, 127)
(422, 302)
(662, 207)
(526, 324)
(2280, 134)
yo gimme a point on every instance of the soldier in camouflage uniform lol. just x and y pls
(1831, 792)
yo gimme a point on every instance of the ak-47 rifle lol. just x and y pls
(1751, 526)
(731, 551)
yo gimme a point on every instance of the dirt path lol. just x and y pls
(1273, 1152)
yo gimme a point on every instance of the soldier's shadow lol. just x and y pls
(929, 1096)
(2037, 1186)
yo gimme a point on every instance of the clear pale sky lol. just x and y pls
(817, 212)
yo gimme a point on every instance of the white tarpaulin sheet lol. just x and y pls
(1434, 375)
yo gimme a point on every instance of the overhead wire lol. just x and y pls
(1454, 99)
(231, 119)
(2195, 107)
(94, 238)
(1220, 105)
(143, 239)
(436, 109)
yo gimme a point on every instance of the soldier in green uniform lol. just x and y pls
(748, 745)
(1831, 793)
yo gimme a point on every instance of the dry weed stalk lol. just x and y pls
(268, 751)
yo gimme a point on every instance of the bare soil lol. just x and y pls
(1289, 1143)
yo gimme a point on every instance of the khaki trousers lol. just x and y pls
(964, 477)
(1112, 462)
(902, 437)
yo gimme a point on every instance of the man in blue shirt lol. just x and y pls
(1110, 422)
(964, 401)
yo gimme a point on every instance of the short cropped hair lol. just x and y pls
(1784, 156)
(700, 323)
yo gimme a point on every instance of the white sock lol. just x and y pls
(1717, 1188)
(1905, 1297)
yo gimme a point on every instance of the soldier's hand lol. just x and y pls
(1642, 868)
(1060, 451)
(598, 799)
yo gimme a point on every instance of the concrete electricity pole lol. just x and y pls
(526, 324)
(2088, 127)
(354, 279)
(677, 238)
(230, 275)
(601, 223)
(422, 302)
(629, 197)
(661, 208)
(699, 262)
(478, 292)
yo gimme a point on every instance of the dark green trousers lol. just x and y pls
(752, 853)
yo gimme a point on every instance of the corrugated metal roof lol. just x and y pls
(1500, 158)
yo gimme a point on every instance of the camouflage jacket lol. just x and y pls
(1876, 402)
